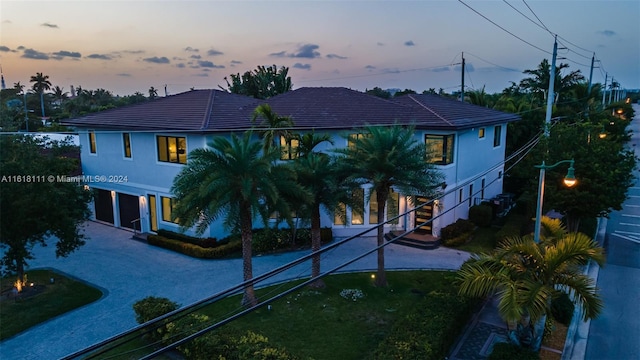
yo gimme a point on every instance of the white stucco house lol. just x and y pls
(132, 154)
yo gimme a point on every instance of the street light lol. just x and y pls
(569, 181)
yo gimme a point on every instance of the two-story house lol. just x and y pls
(132, 154)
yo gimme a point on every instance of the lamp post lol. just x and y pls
(569, 181)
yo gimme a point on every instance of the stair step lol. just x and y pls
(415, 243)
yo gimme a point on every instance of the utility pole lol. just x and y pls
(462, 88)
(593, 58)
(604, 89)
(613, 81)
(552, 80)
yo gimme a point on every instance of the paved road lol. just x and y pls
(129, 270)
(615, 335)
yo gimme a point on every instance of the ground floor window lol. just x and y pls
(168, 206)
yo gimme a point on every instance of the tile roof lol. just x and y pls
(318, 107)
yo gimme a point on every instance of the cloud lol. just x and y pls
(370, 67)
(20, 47)
(235, 62)
(124, 74)
(49, 25)
(202, 75)
(209, 64)
(302, 66)
(409, 43)
(195, 57)
(214, 52)
(391, 70)
(380, 44)
(157, 60)
(4, 48)
(65, 53)
(7, 22)
(134, 51)
(468, 67)
(100, 56)
(307, 51)
(33, 54)
(335, 56)
(607, 33)
(181, 65)
(190, 49)
(441, 69)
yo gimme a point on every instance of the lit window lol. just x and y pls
(439, 149)
(168, 205)
(373, 208)
(92, 142)
(289, 148)
(172, 149)
(497, 135)
(481, 133)
(357, 217)
(126, 141)
(353, 139)
(340, 215)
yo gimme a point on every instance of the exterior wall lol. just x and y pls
(143, 175)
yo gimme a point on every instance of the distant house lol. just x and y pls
(139, 149)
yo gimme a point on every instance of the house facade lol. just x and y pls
(131, 155)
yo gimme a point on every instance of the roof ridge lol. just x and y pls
(207, 115)
(429, 109)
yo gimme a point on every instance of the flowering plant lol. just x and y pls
(352, 294)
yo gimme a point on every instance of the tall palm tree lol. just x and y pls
(386, 158)
(236, 181)
(60, 94)
(41, 83)
(526, 275)
(153, 93)
(274, 124)
(316, 171)
(18, 87)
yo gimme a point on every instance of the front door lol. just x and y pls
(129, 208)
(423, 214)
(103, 206)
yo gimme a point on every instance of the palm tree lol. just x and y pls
(386, 158)
(41, 83)
(236, 181)
(275, 125)
(18, 87)
(526, 275)
(153, 93)
(316, 171)
(60, 94)
(538, 82)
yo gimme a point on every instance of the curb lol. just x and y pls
(575, 345)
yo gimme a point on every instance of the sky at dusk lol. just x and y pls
(129, 46)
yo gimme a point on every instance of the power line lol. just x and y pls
(378, 74)
(528, 18)
(505, 30)
(534, 14)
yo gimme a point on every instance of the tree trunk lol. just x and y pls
(20, 272)
(249, 297)
(316, 243)
(381, 276)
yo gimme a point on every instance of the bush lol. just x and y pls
(457, 233)
(202, 242)
(508, 351)
(562, 309)
(195, 250)
(152, 307)
(481, 215)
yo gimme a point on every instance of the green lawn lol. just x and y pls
(483, 241)
(419, 308)
(63, 295)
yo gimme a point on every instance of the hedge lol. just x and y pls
(202, 242)
(458, 228)
(195, 250)
(481, 215)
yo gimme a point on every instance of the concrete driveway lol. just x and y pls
(129, 270)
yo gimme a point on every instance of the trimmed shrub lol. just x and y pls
(562, 309)
(202, 242)
(195, 250)
(457, 233)
(508, 351)
(481, 215)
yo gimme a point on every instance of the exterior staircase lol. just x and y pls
(414, 239)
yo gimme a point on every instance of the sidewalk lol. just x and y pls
(129, 270)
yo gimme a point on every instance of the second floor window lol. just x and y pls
(92, 142)
(126, 142)
(497, 135)
(289, 148)
(172, 149)
(439, 148)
